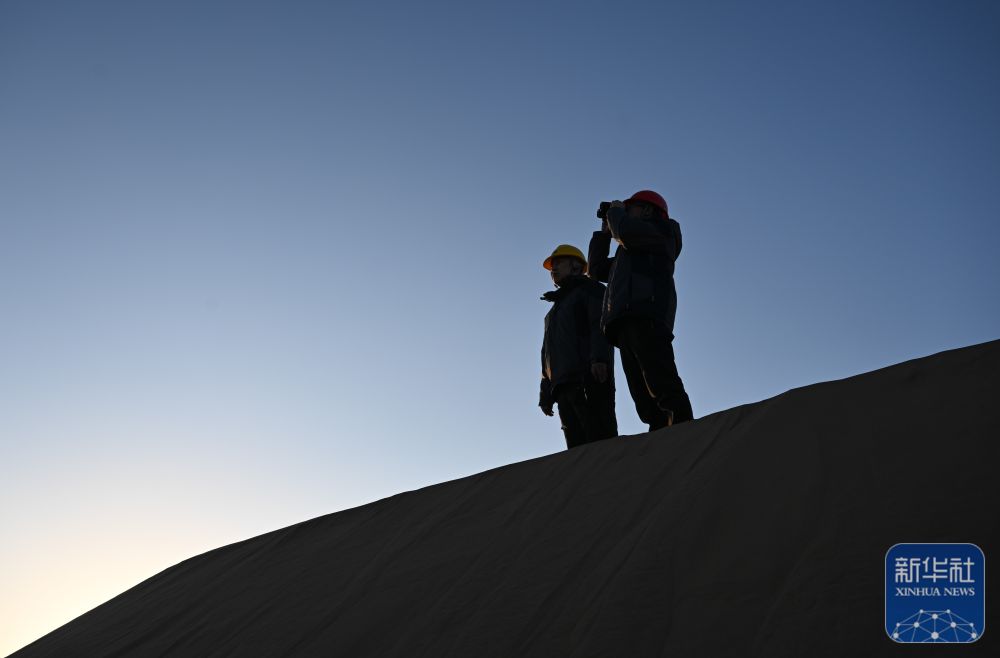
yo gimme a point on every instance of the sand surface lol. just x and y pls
(758, 531)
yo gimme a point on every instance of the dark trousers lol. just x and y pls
(587, 412)
(647, 353)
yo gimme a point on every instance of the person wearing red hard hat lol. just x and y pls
(577, 361)
(641, 301)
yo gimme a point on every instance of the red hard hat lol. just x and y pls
(649, 196)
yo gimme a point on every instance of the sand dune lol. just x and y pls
(758, 531)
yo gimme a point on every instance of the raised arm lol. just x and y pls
(600, 349)
(598, 263)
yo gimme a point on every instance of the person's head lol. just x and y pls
(646, 204)
(642, 210)
(565, 261)
(564, 267)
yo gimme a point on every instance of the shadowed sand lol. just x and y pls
(757, 531)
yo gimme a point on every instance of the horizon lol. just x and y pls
(262, 265)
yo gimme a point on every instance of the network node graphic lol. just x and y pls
(935, 626)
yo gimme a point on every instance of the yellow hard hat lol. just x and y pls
(565, 250)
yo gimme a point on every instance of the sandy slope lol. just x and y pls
(760, 530)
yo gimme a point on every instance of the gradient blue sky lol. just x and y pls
(262, 261)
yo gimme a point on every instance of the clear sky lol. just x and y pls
(263, 261)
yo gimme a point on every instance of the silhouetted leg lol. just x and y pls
(652, 345)
(645, 405)
(601, 423)
(572, 412)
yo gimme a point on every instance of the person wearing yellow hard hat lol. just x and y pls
(641, 301)
(577, 360)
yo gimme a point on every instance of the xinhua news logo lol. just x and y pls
(935, 593)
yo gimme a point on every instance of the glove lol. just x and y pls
(545, 399)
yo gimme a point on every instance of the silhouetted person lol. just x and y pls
(577, 361)
(641, 301)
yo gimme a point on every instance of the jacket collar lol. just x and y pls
(567, 285)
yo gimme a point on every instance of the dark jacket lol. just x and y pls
(640, 276)
(573, 337)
